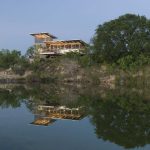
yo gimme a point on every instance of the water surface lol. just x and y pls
(74, 117)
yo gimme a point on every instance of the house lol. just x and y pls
(47, 45)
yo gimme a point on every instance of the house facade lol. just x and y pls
(46, 44)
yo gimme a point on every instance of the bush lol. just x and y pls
(130, 62)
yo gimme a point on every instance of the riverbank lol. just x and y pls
(63, 70)
(71, 71)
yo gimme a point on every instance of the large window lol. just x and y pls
(37, 40)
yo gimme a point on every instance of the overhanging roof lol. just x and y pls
(43, 34)
(65, 42)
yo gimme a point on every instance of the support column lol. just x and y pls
(79, 46)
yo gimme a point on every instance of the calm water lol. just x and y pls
(60, 117)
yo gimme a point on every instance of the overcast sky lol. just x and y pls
(66, 19)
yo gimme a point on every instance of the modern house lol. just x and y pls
(46, 44)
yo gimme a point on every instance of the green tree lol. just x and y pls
(9, 58)
(30, 52)
(14, 60)
(127, 35)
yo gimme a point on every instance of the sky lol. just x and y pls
(66, 19)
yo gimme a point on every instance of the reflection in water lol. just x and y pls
(120, 116)
(45, 115)
(128, 129)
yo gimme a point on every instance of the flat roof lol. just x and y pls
(65, 41)
(44, 33)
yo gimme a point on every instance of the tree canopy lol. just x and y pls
(127, 35)
(30, 52)
(14, 60)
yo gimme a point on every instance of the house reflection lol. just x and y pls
(46, 115)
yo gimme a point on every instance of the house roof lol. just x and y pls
(65, 42)
(43, 35)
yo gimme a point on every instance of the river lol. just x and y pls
(74, 117)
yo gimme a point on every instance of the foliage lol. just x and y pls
(13, 59)
(72, 55)
(43, 70)
(130, 62)
(21, 66)
(85, 61)
(127, 36)
(84, 58)
(30, 52)
(9, 58)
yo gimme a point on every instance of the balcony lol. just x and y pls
(48, 51)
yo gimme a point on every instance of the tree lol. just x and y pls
(127, 35)
(9, 58)
(30, 52)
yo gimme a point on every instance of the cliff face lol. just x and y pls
(8, 76)
(65, 70)
(69, 70)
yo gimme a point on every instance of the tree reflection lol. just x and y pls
(38, 94)
(8, 99)
(122, 117)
